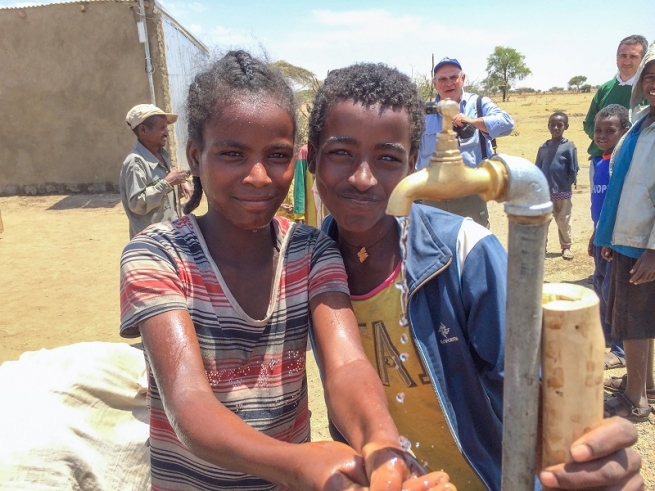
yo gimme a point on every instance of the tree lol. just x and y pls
(576, 82)
(585, 88)
(301, 77)
(306, 85)
(492, 84)
(424, 86)
(473, 87)
(504, 66)
(525, 90)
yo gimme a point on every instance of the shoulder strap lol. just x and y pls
(483, 139)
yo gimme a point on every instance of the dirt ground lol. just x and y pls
(59, 257)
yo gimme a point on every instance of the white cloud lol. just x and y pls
(330, 39)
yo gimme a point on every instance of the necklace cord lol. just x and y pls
(362, 250)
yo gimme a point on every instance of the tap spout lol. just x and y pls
(443, 180)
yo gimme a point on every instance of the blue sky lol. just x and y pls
(560, 39)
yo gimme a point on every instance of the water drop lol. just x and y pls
(400, 397)
(404, 357)
(404, 338)
(405, 444)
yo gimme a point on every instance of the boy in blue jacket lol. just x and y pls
(443, 373)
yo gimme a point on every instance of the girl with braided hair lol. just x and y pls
(223, 303)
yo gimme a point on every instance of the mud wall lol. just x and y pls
(70, 73)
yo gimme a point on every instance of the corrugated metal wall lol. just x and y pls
(184, 55)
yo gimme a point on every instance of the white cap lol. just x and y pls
(139, 113)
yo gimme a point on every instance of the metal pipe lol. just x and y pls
(527, 203)
(149, 67)
(528, 209)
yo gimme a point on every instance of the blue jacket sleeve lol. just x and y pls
(484, 293)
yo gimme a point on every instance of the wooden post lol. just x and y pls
(573, 347)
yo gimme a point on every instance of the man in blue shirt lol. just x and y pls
(476, 125)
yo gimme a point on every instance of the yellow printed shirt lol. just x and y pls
(413, 404)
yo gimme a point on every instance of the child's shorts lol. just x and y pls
(630, 308)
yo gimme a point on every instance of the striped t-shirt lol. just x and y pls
(256, 368)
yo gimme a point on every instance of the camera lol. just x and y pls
(465, 131)
(431, 107)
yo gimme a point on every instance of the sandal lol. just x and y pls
(635, 414)
(612, 360)
(618, 384)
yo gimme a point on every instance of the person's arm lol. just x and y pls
(588, 123)
(538, 161)
(590, 245)
(574, 164)
(212, 432)
(484, 294)
(143, 196)
(494, 121)
(356, 401)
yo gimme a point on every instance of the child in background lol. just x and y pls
(558, 160)
(626, 231)
(223, 303)
(610, 125)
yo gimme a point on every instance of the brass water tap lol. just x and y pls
(446, 176)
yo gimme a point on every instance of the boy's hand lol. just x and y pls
(644, 269)
(602, 460)
(606, 252)
(390, 468)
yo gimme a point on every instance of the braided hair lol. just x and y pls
(235, 75)
(369, 84)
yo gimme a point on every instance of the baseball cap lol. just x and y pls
(139, 113)
(446, 61)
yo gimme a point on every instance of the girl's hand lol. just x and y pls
(391, 468)
(644, 269)
(329, 466)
